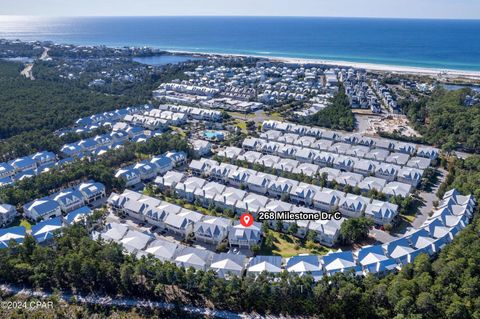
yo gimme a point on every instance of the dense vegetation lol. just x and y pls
(444, 121)
(464, 174)
(336, 116)
(101, 170)
(28, 105)
(447, 287)
(32, 110)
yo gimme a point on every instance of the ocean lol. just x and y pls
(439, 44)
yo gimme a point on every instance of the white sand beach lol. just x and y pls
(446, 73)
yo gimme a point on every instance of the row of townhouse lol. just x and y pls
(100, 144)
(148, 169)
(164, 88)
(353, 139)
(110, 118)
(194, 189)
(274, 140)
(454, 213)
(156, 119)
(358, 91)
(183, 222)
(42, 231)
(27, 166)
(224, 265)
(406, 177)
(65, 201)
(298, 193)
(384, 93)
(193, 113)
(396, 166)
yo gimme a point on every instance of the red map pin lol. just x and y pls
(246, 220)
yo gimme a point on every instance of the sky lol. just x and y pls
(448, 9)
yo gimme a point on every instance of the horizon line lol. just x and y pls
(238, 16)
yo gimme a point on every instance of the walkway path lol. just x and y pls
(127, 302)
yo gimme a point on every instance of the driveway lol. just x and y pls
(427, 198)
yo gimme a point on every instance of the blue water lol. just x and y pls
(445, 44)
(165, 59)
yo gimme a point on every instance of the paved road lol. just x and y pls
(428, 197)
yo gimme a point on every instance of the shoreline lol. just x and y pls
(448, 73)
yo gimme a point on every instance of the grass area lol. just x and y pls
(286, 245)
(275, 116)
(242, 115)
(242, 125)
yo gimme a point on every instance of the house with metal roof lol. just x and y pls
(269, 264)
(340, 261)
(129, 175)
(226, 265)
(327, 199)
(387, 171)
(229, 197)
(250, 157)
(169, 180)
(69, 199)
(259, 182)
(427, 152)
(43, 208)
(419, 162)
(134, 241)
(187, 188)
(239, 177)
(397, 189)
(326, 231)
(381, 212)
(397, 158)
(372, 183)
(92, 191)
(22, 164)
(230, 152)
(409, 175)
(206, 195)
(16, 234)
(286, 165)
(43, 158)
(114, 232)
(160, 249)
(7, 214)
(146, 169)
(78, 215)
(182, 223)
(212, 230)
(421, 240)
(46, 230)
(241, 236)
(177, 158)
(303, 265)
(370, 256)
(6, 170)
(324, 159)
(306, 169)
(280, 187)
(353, 205)
(193, 257)
(401, 250)
(377, 154)
(303, 193)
